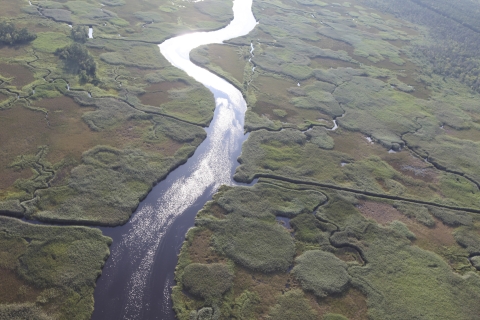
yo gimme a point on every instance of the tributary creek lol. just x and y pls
(136, 280)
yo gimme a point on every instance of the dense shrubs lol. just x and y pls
(265, 200)
(208, 281)
(9, 34)
(79, 34)
(62, 263)
(78, 60)
(292, 306)
(321, 272)
(254, 244)
(454, 35)
(308, 228)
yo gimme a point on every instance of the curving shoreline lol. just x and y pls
(140, 269)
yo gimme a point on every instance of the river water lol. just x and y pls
(136, 280)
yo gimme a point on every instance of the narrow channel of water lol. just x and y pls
(137, 277)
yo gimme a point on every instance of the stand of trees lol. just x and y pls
(79, 34)
(9, 34)
(454, 49)
(78, 60)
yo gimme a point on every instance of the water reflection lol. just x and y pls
(136, 280)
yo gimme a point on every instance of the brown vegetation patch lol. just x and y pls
(67, 134)
(273, 94)
(11, 51)
(157, 93)
(21, 75)
(15, 290)
(217, 211)
(411, 166)
(12, 8)
(469, 134)
(421, 90)
(348, 254)
(20, 130)
(200, 250)
(433, 239)
(352, 304)
(368, 29)
(355, 144)
(267, 286)
(336, 45)
(274, 86)
(227, 58)
(326, 63)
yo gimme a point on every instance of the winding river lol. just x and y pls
(137, 277)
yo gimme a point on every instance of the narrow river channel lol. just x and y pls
(136, 280)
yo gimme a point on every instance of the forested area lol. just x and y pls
(78, 60)
(9, 34)
(454, 31)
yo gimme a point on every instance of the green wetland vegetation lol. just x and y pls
(373, 216)
(88, 126)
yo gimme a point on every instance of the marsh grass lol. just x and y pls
(265, 201)
(255, 244)
(321, 272)
(209, 281)
(60, 263)
(292, 305)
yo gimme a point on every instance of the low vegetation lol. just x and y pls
(321, 272)
(405, 131)
(254, 244)
(293, 305)
(208, 281)
(49, 272)
(80, 144)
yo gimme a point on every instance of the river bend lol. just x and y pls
(137, 277)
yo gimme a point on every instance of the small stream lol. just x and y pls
(137, 278)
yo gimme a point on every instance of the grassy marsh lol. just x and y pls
(87, 150)
(403, 132)
(49, 272)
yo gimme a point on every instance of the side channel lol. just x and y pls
(137, 277)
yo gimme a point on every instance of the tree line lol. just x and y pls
(454, 30)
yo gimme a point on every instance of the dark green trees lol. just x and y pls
(78, 60)
(79, 34)
(9, 34)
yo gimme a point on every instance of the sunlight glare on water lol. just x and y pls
(138, 248)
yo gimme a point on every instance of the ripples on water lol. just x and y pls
(141, 248)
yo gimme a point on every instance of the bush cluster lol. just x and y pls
(9, 34)
(78, 60)
(257, 245)
(321, 272)
(208, 281)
